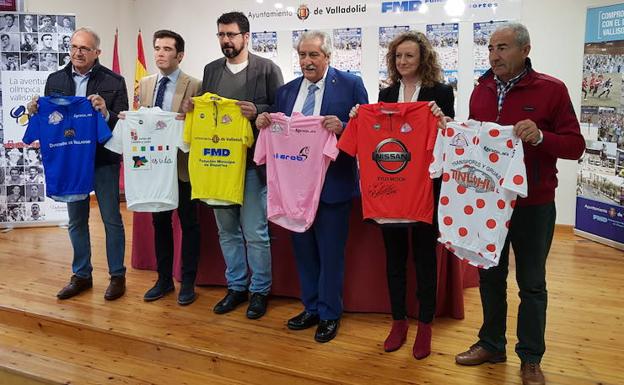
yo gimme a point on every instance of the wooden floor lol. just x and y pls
(87, 340)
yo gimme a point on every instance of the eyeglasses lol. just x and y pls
(230, 35)
(74, 48)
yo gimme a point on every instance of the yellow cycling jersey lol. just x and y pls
(219, 136)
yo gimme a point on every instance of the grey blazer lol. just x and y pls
(263, 79)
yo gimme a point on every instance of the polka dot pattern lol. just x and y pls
(475, 221)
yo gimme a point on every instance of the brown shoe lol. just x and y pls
(532, 374)
(478, 355)
(116, 288)
(75, 286)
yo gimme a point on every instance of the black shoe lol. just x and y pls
(187, 294)
(160, 289)
(116, 288)
(75, 286)
(326, 330)
(231, 300)
(303, 320)
(257, 305)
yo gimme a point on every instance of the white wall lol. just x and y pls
(557, 30)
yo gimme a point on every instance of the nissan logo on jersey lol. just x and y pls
(391, 156)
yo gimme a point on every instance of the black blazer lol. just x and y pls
(442, 94)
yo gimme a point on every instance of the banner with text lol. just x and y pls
(600, 180)
(324, 14)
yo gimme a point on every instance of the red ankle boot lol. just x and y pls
(397, 335)
(422, 345)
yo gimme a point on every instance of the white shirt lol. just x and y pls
(236, 68)
(402, 93)
(318, 96)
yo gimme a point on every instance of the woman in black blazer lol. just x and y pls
(415, 75)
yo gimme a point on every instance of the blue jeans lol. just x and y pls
(244, 239)
(106, 183)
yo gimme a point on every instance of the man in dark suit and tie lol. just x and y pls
(328, 92)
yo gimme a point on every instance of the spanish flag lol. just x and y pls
(140, 71)
(116, 67)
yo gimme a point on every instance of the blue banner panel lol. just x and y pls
(605, 24)
(601, 219)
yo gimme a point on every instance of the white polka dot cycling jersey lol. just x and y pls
(483, 172)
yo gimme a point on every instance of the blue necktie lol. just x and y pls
(160, 94)
(308, 104)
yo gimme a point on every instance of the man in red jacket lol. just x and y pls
(539, 108)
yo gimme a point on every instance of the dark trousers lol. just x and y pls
(530, 234)
(320, 253)
(424, 253)
(163, 237)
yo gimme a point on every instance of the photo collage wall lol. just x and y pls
(31, 47)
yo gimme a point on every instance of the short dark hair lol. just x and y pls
(46, 34)
(179, 41)
(9, 15)
(3, 35)
(235, 17)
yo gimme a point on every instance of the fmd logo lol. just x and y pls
(216, 152)
(400, 6)
(404, 6)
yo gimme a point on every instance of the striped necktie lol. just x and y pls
(308, 104)
(160, 94)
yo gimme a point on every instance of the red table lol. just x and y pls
(365, 287)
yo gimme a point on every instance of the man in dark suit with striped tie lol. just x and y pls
(326, 91)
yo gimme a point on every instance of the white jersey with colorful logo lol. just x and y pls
(482, 168)
(149, 140)
(297, 152)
